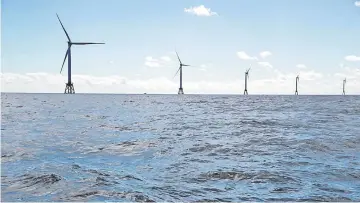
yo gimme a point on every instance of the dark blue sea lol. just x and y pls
(88, 147)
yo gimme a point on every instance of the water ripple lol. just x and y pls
(196, 148)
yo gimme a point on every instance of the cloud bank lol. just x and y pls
(311, 82)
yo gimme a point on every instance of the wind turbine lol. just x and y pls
(297, 79)
(181, 91)
(69, 89)
(246, 79)
(344, 82)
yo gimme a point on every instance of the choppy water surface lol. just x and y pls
(59, 147)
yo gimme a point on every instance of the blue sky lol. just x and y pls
(317, 39)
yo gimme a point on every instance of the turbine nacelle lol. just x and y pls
(247, 71)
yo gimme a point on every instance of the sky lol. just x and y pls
(279, 39)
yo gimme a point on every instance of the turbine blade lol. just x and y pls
(63, 28)
(178, 57)
(177, 72)
(85, 43)
(66, 54)
(185, 65)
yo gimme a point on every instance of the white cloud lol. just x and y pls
(200, 11)
(265, 54)
(151, 62)
(352, 58)
(165, 58)
(301, 66)
(357, 3)
(244, 56)
(265, 64)
(156, 63)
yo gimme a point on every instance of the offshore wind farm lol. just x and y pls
(185, 102)
(310, 75)
(69, 89)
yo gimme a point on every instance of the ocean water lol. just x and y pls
(86, 147)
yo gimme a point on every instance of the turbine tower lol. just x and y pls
(246, 79)
(344, 82)
(297, 79)
(181, 91)
(69, 89)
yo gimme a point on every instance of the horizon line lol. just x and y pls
(230, 94)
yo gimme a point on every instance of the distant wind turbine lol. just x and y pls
(181, 91)
(69, 89)
(344, 82)
(246, 80)
(297, 79)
